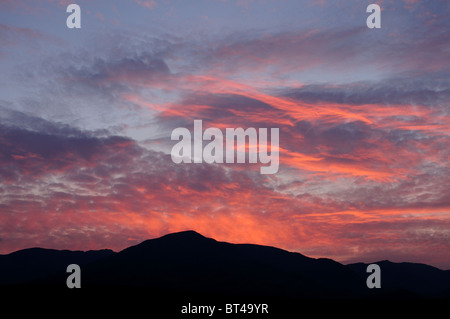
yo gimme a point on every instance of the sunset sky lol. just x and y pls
(86, 117)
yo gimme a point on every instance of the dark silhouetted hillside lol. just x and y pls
(187, 261)
(419, 279)
(27, 265)
(187, 264)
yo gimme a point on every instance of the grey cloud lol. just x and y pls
(433, 91)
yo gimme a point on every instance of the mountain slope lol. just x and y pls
(30, 264)
(420, 279)
(187, 263)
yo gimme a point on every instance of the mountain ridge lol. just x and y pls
(188, 262)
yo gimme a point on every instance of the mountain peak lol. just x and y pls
(179, 239)
(184, 234)
(185, 237)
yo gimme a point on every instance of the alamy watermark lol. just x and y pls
(74, 279)
(190, 148)
(373, 20)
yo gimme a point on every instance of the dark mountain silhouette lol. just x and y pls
(419, 279)
(188, 265)
(189, 261)
(30, 264)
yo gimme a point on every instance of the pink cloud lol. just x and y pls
(149, 4)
